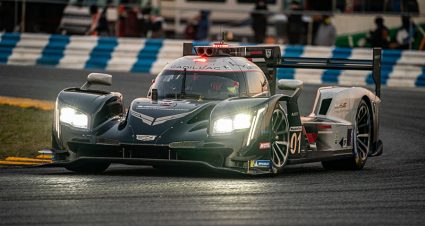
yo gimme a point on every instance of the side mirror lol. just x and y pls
(97, 79)
(289, 84)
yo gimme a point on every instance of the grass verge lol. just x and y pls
(24, 131)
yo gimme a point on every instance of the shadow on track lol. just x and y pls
(117, 170)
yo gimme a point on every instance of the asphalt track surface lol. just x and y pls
(389, 191)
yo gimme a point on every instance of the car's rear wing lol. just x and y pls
(268, 58)
(373, 65)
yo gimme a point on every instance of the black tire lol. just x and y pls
(362, 134)
(279, 127)
(88, 167)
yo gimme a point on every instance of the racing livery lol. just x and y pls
(216, 107)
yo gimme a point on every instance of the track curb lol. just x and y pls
(24, 161)
(27, 103)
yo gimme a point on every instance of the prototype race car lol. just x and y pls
(216, 107)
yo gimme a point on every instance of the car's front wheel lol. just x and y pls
(279, 140)
(88, 167)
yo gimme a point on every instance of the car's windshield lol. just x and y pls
(197, 85)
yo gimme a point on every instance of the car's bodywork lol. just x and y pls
(186, 121)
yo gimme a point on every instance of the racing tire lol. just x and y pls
(88, 167)
(279, 127)
(362, 142)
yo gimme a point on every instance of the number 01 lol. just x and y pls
(295, 143)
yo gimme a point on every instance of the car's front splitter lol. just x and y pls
(163, 162)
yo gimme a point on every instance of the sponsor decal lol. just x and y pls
(145, 137)
(296, 129)
(341, 106)
(260, 163)
(268, 53)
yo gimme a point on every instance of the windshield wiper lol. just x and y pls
(183, 89)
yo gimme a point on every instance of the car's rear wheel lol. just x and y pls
(279, 140)
(88, 167)
(362, 135)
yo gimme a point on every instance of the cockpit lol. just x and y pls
(208, 85)
(182, 84)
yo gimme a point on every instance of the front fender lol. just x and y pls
(102, 108)
(262, 111)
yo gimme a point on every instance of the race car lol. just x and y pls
(217, 108)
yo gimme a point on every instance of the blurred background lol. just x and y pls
(391, 24)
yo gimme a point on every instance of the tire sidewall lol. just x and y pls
(358, 161)
(278, 170)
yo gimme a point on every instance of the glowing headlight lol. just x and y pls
(223, 125)
(74, 117)
(242, 121)
(227, 125)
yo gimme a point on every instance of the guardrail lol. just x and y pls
(399, 68)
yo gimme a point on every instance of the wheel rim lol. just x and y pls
(363, 132)
(280, 138)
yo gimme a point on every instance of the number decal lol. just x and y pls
(295, 143)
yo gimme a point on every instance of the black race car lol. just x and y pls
(216, 108)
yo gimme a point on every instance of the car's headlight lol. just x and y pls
(74, 117)
(229, 124)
